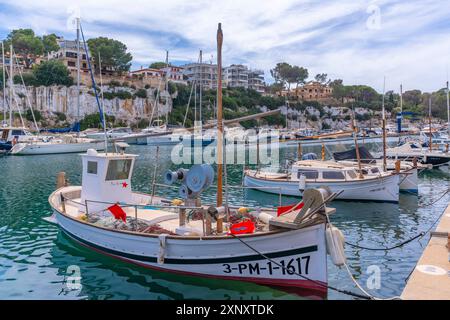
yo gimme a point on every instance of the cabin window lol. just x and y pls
(92, 167)
(118, 169)
(332, 175)
(352, 174)
(17, 133)
(309, 174)
(375, 170)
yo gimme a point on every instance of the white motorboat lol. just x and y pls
(64, 144)
(384, 186)
(410, 150)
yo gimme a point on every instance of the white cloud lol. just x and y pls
(411, 45)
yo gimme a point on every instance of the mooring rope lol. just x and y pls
(349, 293)
(401, 244)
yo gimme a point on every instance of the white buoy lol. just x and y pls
(302, 182)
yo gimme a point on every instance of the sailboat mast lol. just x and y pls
(201, 85)
(429, 121)
(78, 72)
(401, 112)
(10, 83)
(219, 117)
(167, 87)
(4, 83)
(448, 112)
(103, 106)
(384, 127)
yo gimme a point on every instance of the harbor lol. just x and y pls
(200, 181)
(34, 249)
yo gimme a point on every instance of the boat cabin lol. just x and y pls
(106, 178)
(315, 170)
(8, 134)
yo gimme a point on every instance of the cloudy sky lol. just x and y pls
(358, 41)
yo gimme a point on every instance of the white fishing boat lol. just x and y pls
(407, 170)
(156, 235)
(383, 186)
(216, 241)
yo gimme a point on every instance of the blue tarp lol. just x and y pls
(74, 128)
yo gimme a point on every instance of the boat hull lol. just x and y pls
(409, 181)
(303, 251)
(22, 149)
(385, 189)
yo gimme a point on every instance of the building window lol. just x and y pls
(71, 64)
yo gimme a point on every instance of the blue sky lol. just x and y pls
(358, 41)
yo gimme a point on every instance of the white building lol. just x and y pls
(236, 76)
(256, 80)
(203, 73)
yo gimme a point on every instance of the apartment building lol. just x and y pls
(256, 80)
(236, 76)
(67, 54)
(203, 73)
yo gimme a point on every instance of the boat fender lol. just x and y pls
(335, 242)
(302, 182)
(162, 248)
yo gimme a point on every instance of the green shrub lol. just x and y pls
(141, 93)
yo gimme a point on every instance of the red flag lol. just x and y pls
(283, 210)
(118, 212)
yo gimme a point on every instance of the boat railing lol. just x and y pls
(280, 195)
(182, 210)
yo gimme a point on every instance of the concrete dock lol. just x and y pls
(430, 279)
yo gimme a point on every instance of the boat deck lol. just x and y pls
(431, 277)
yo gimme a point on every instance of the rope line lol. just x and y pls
(349, 293)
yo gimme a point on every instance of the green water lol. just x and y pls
(36, 258)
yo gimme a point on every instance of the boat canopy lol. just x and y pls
(74, 128)
(364, 154)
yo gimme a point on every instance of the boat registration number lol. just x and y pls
(293, 266)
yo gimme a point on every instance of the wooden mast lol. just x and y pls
(401, 113)
(219, 117)
(358, 156)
